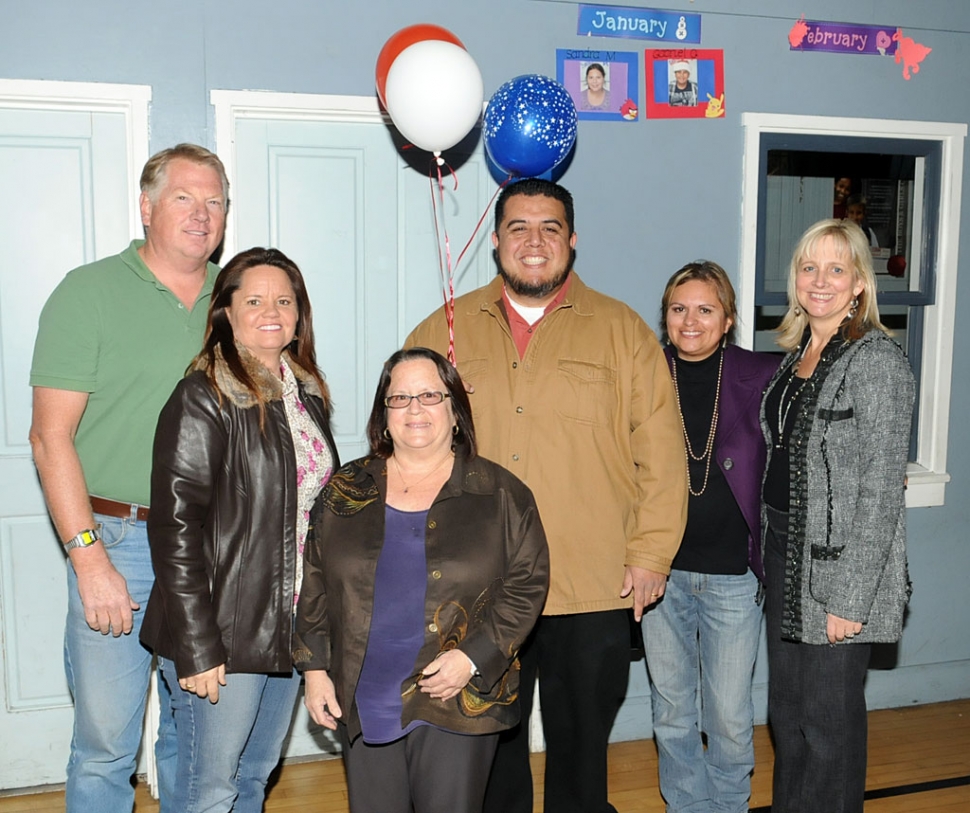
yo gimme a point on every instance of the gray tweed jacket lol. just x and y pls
(847, 517)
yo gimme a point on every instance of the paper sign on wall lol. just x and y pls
(638, 23)
(842, 38)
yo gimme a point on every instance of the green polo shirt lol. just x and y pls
(112, 330)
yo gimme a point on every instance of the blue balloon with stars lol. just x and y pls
(530, 125)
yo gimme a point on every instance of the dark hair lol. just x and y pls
(856, 200)
(218, 333)
(533, 187)
(597, 66)
(383, 446)
(705, 271)
(155, 172)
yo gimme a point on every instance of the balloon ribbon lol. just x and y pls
(445, 267)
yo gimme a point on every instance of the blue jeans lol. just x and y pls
(108, 678)
(703, 636)
(227, 750)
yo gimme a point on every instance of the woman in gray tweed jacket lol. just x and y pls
(837, 418)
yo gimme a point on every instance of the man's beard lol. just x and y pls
(535, 290)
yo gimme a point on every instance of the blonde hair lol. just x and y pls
(155, 173)
(851, 242)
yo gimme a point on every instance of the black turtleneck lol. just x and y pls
(716, 539)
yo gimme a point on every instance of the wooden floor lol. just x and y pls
(909, 748)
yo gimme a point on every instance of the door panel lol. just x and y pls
(65, 203)
(341, 203)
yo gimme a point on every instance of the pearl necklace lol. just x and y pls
(708, 449)
(408, 487)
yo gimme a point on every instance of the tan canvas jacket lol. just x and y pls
(589, 422)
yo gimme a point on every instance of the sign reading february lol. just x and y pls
(638, 23)
(811, 35)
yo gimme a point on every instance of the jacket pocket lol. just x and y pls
(473, 371)
(824, 565)
(585, 391)
(833, 415)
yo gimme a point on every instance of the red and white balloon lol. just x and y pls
(430, 85)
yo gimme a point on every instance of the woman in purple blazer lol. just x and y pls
(703, 634)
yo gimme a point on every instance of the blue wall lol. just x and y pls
(650, 196)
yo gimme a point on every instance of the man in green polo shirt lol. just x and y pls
(114, 339)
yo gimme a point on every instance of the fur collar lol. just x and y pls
(269, 385)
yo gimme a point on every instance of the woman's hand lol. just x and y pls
(446, 675)
(838, 629)
(320, 698)
(207, 683)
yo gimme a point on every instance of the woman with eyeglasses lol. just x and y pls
(425, 570)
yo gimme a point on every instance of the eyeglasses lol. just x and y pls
(424, 398)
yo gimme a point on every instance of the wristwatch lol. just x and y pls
(83, 540)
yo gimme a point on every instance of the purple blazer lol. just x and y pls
(739, 445)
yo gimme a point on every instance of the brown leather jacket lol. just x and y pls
(222, 527)
(488, 572)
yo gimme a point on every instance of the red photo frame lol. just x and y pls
(684, 83)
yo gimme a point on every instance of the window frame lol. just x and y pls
(928, 475)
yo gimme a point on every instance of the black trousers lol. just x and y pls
(583, 662)
(427, 771)
(816, 707)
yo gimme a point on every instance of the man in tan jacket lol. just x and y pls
(571, 394)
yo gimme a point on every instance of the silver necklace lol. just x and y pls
(709, 447)
(783, 407)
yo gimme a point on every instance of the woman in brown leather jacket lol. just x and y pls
(425, 571)
(242, 449)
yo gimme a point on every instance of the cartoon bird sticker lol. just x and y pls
(715, 106)
(798, 31)
(629, 110)
(910, 52)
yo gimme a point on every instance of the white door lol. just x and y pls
(340, 200)
(65, 201)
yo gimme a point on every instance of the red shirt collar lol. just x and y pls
(521, 330)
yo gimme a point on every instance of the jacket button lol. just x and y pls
(515, 365)
(433, 627)
(432, 525)
(435, 574)
(519, 410)
(515, 457)
(728, 464)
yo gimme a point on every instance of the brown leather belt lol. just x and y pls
(113, 508)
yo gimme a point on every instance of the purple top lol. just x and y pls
(396, 628)
(739, 446)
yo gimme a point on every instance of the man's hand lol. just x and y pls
(104, 593)
(446, 675)
(207, 683)
(647, 587)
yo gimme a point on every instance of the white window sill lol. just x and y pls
(925, 488)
